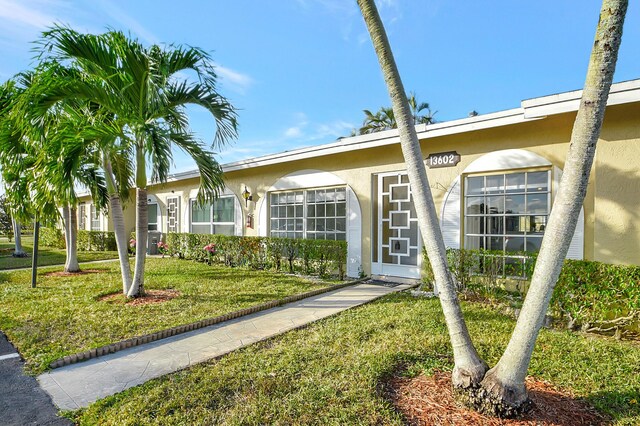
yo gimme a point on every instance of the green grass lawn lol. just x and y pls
(46, 255)
(63, 315)
(330, 372)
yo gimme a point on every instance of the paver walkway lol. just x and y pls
(78, 385)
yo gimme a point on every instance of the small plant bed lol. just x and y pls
(334, 371)
(65, 315)
(428, 400)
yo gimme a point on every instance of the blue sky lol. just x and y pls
(301, 71)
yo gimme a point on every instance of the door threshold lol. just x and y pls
(400, 280)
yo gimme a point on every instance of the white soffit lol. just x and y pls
(620, 93)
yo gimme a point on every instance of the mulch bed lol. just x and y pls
(73, 274)
(429, 401)
(151, 296)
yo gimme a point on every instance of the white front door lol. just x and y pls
(397, 248)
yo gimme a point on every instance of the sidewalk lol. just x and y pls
(78, 385)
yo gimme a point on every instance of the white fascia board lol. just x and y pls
(388, 137)
(531, 109)
(620, 93)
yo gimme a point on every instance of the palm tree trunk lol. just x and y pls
(142, 222)
(142, 233)
(469, 368)
(17, 235)
(503, 385)
(72, 264)
(65, 228)
(117, 216)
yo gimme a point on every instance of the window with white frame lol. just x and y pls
(95, 218)
(82, 217)
(312, 213)
(213, 218)
(507, 212)
(152, 214)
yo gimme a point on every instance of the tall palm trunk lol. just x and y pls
(504, 384)
(117, 216)
(72, 264)
(17, 235)
(142, 224)
(469, 368)
(142, 234)
(65, 228)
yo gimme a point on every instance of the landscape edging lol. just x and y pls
(180, 329)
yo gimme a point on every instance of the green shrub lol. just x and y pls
(96, 241)
(587, 292)
(312, 257)
(593, 292)
(52, 237)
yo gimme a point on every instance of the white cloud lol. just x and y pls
(293, 132)
(234, 80)
(25, 13)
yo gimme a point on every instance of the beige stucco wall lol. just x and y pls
(616, 214)
(612, 204)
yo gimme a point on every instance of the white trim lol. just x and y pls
(620, 93)
(506, 159)
(450, 215)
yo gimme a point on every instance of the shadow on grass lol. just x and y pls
(622, 406)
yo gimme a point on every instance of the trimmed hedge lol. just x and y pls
(96, 241)
(311, 257)
(587, 292)
(52, 237)
(87, 240)
(594, 292)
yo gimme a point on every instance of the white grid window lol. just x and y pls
(82, 217)
(313, 213)
(95, 219)
(173, 214)
(506, 212)
(213, 218)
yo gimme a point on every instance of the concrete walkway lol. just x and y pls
(78, 385)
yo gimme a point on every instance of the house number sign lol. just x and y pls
(443, 159)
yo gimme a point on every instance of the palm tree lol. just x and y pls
(60, 159)
(382, 120)
(13, 160)
(142, 89)
(501, 390)
(420, 111)
(469, 368)
(504, 385)
(385, 119)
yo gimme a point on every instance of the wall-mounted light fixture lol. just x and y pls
(247, 196)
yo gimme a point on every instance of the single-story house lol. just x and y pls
(493, 177)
